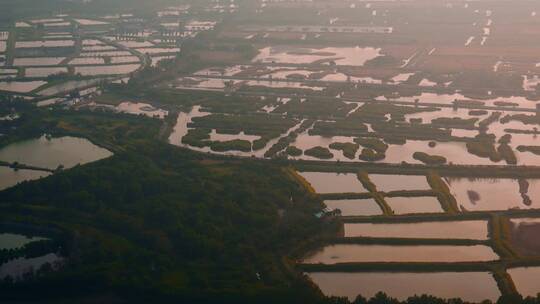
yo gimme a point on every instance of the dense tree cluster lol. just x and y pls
(166, 223)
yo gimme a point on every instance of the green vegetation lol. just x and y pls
(345, 127)
(263, 125)
(372, 143)
(173, 225)
(293, 151)
(349, 149)
(455, 122)
(315, 108)
(157, 223)
(506, 152)
(429, 159)
(253, 124)
(532, 149)
(505, 104)
(376, 111)
(447, 200)
(483, 146)
(371, 155)
(383, 61)
(494, 117)
(363, 177)
(286, 140)
(319, 152)
(478, 112)
(197, 137)
(231, 145)
(524, 118)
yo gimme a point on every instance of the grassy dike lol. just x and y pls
(372, 188)
(447, 200)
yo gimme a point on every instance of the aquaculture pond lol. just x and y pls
(409, 205)
(387, 182)
(304, 141)
(37, 61)
(526, 280)
(351, 253)
(44, 72)
(481, 194)
(474, 230)
(52, 152)
(324, 182)
(355, 207)
(106, 69)
(10, 177)
(403, 285)
(524, 235)
(454, 152)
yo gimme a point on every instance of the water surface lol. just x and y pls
(351, 253)
(474, 230)
(10, 177)
(355, 207)
(477, 194)
(387, 182)
(324, 182)
(410, 205)
(526, 280)
(404, 285)
(42, 152)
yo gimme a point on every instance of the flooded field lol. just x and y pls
(44, 43)
(526, 280)
(333, 182)
(495, 194)
(455, 152)
(473, 230)
(44, 72)
(391, 92)
(355, 56)
(411, 205)
(51, 153)
(10, 177)
(403, 285)
(38, 61)
(106, 69)
(523, 232)
(87, 60)
(389, 183)
(158, 50)
(352, 253)
(355, 207)
(124, 59)
(105, 54)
